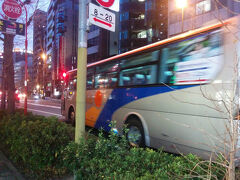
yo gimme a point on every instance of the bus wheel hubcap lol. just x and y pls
(134, 135)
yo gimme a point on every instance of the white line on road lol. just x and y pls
(44, 105)
(45, 112)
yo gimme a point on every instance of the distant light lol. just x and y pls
(64, 74)
(181, 3)
(22, 95)
(56, 93)
(44, 56)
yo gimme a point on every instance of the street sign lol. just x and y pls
(11, 27)
(11, 9)
(101, 17)
(111, 4)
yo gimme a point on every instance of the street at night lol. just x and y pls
(42, 107)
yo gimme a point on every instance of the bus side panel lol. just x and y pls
(96, 101)
(122, 96)
(182, 117)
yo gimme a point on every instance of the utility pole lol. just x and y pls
(81, 71)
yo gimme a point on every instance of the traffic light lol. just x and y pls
(64, 75)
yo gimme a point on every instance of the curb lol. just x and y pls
(7, 170)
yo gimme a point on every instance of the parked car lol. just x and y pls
(36, 96)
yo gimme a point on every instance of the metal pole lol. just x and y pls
(81, 71)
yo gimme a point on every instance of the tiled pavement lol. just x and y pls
(7, 170)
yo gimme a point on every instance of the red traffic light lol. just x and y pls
(64, 75)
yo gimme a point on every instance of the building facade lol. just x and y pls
(39, 48)
(62, 42)
(19, 70)
(199, 13)
(156, 20)
(132, 30)
(141, 23)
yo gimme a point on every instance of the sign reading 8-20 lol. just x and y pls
(101, 17)
(107, 17)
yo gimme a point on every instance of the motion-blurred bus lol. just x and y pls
(178, 93)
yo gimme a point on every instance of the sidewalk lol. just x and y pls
(7, 170)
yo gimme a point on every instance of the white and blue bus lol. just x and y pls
(177, 93)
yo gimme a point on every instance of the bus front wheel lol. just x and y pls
(135, 133)
(71, 116)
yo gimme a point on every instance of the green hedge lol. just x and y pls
(43, 148)
(111, 158)
(34, 143)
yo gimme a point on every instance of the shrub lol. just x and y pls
(43, 147)
(112, 159)
(35, 143)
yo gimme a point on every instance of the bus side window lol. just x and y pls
(89, 82)
(138, 76)
(168, 61)
(140, 59)
(112, 79)
(100, 81)
(124, 80)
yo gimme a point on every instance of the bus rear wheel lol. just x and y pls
(71, 116)
(135, 133)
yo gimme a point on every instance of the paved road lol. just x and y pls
(42, 107)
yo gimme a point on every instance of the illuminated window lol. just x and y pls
(203, 7)
(141, 16)
(142, 34)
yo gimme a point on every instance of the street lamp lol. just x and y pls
(181, 4)
(44, 58)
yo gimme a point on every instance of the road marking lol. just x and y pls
(44, 105)
(45, 112)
